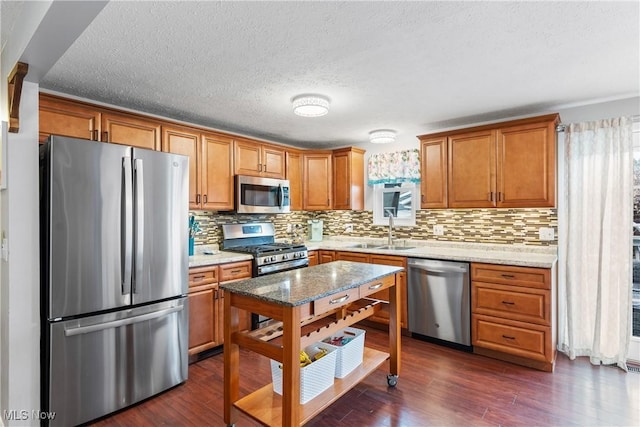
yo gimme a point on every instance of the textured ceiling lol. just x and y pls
(409, 66)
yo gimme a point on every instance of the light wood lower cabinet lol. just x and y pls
(512, 314)
(326, 256)
(313, 258)
(206, 303)
(382, 316)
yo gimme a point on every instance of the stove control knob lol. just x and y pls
(285, 256)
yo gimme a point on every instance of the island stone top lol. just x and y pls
(301, 286)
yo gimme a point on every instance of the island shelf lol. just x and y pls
(307, 305)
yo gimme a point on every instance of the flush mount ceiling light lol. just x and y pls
(382, 136)
(310, 105)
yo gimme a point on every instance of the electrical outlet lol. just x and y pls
(438, 230)
(546, 233)
(348, 228)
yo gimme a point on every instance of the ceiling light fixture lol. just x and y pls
(310, 105)
(382, 136)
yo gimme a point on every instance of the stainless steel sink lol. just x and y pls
(362, 246)
(394, 248)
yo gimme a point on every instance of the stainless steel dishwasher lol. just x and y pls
(438, 299)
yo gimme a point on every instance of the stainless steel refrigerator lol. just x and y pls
(114, 276)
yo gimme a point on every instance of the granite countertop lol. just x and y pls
(518, 255)
(297, 287)
(210, 255)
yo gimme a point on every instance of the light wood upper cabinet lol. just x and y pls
(348, 178)
(294, 175)
(186, 141)
(433, 183)
(131, 130)
(255, 159)
(526, 165)
(505, 165)
(60, 117)
(317, 180)
(217, 172)
(210, 165)
(472, 170)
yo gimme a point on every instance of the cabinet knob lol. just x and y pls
(197, 198)
(259, 167)
(264, 168)
(106, 136)
(204, 197)
(422, 198)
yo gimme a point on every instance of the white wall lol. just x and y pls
(19, 276)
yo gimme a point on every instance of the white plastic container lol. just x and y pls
(314, 378)
(349, 355)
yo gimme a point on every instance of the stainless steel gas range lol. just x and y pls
(258, 239)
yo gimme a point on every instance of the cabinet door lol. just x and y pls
(433, 186)
(317, 182)
(202, 320)
(313, 258)
(294, 175)
(68, 119)
(382, 316)
(185, 141)
(217, 172)
(527, 165)
(326, 256)
(273, 162)
(131, 130)
(472, 170)
(247, 158)
(348, 179)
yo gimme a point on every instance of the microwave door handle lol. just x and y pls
(281, 194)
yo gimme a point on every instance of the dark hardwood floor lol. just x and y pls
(438, 386)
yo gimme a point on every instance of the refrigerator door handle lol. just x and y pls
(126, 238)
(122, 322)
(139, 222)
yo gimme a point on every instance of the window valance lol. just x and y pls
(394, 167)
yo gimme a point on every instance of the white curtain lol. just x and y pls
(595, 290)
(394, 167)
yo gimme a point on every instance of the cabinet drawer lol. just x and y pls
(235, 271)
(377, 285)
(509, 275)
(520, 339)
(336, 300)
(203, 276)
(508, 302)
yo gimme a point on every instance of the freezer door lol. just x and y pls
(161, 220)
(104, 363)
(88, 227)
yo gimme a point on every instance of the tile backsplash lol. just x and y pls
(507, 226)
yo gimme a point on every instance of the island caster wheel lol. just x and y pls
(392, 380)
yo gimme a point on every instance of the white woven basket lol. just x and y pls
(349, 355)
(314, 378)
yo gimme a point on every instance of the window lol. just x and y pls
(399, 200)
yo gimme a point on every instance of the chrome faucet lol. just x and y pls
(390, 240)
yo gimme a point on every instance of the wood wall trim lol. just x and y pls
(15, 91)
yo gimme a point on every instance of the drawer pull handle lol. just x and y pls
(508, 302)
(235, 271)
(508, 276)
(339, 300)
(198, 277)
(376, 286)
(507, 337)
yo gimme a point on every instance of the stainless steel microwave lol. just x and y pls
(262, 195)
